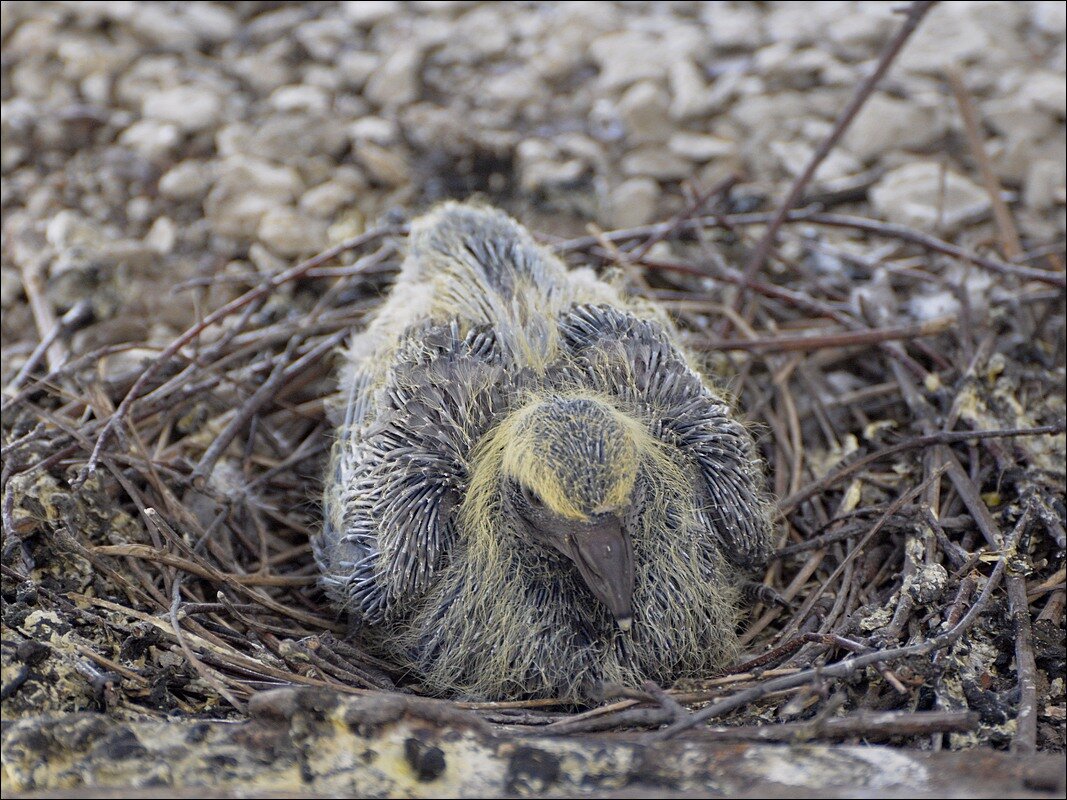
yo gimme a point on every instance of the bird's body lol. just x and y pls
(532, 490)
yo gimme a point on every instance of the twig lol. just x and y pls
(915, 15)
(865, 725)
(263, 290)
(1025, 740)
(247, 410)
(78, 314)
(1009, 235)
(819, 341)
(665, 700)
(239, 586)
(692, 209)
(856, 647)
(813, 217)
(894, 507)
(44, 315)
(944, 437)
(782, 650)
(201, 669)
(851, 666)
(932, 243)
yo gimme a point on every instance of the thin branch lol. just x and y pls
(944, 437)
(1009, 235)
(915, 14)
(850, 666)
(1025, 740)
(192, 333)
(820, 341)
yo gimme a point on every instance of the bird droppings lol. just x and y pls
(317, 750)
(877, 769)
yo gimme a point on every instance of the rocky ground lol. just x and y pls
(145, 144)
(160, 158)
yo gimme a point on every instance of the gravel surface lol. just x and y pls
(145, 144)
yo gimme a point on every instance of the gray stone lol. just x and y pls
(924, 195)
(190, 107)
(289, 233)
(627, 57)
(955, 34)
(1044, 185)
(356, 66)
(161, 26)
(323, 38)
(152, 138)
(700, 147)
(794, 157)
(10, 287)
(300, 98)
(690, 93)
(186, 180)
(542, 165)
(70, 229)
(373, 129)
(246, 190)
(887, 123)
(291, 138)
(213, 22)
(925, 307)
(396, 81)
(634, 202)
(368, 12)
(737, 27)
(384, 165)
(480, 34)
(655, 162)
(1047, 91)
(328, 198)
(643, 110)
(869, 27)
(162, 236)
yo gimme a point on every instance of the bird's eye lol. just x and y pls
(532, 498)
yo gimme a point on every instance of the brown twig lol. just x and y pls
(850, 666)
(1009, 235)
(192, 333)
(864, 725)
(944, 437)
(1025, 740)
(813, 217)
(914, 15)
(821, 341)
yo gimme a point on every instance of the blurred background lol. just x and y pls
(145, 144)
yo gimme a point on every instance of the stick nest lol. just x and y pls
(157, 503)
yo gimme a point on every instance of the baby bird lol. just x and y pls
(532, 489)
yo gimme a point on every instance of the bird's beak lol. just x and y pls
(604, 555)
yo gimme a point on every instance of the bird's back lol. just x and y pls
(463, 246)
(473, 265)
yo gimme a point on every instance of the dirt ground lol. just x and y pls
(897, 345)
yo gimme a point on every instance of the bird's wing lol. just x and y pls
(634, 360)
(389, 523)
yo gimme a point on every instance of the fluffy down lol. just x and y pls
(493, 378)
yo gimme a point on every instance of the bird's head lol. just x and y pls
(568, 467)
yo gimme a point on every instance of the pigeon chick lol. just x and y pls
(532, 490)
